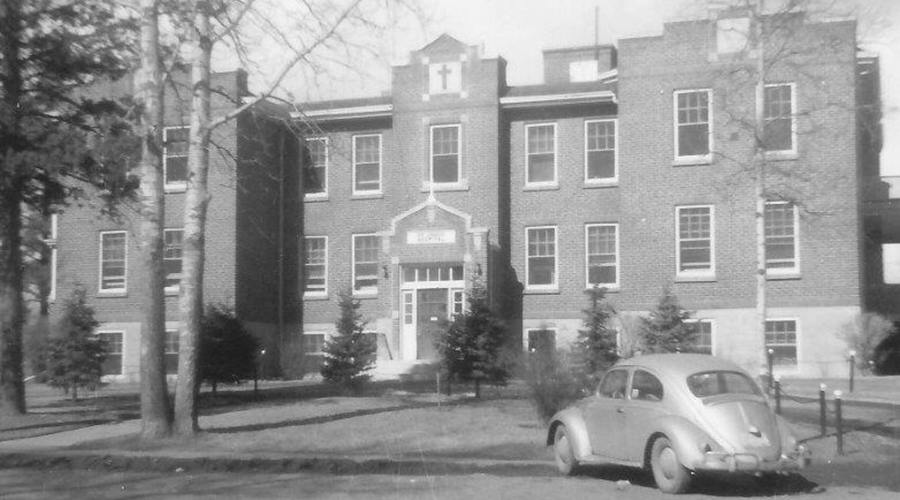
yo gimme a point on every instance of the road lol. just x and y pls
(598, 483)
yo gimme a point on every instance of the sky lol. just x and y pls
(519, 30)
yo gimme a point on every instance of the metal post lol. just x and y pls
(778, 395)
(769, 355)
(822, 408)
(852, 368)
(839, 423)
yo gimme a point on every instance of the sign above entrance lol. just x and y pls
(431, 237)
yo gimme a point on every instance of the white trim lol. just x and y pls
(712, 332)
(559, 99)
(615, 178)
(692, 159)
(796, 219)
(700, 274)
(369, 291)
(324, 193)
(351, 112)
(555, 181)
(587, 270)
(433, 202)
(121, 353)
(380, 165)
(124, 287)
(528, 329)
(54, 254)
(542, 287)
(323, 293)
(180, 186)
(325, 337)
(175, 288)
(459, 169)
(776, 153)
(799, 363)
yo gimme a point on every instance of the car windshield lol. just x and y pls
(706, 384)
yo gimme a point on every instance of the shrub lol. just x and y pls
(227, 352)
(75, 355)
(668, 328)
(864, 335)
(350, 353)
(551, 383)
(594, 351)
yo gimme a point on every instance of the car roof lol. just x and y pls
(680, 365)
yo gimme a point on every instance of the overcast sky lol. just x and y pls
(519, 30)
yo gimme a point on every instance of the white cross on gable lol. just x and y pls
(445, 77)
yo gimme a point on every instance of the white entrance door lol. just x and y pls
(429, 294)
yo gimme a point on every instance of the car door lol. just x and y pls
(645, 406)
(605, 417)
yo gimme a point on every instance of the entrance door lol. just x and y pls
(431, 308)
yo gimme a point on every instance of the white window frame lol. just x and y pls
(319, 293)
(692, 159)
(100, 259)
(555, 181)
(549, 286)
(372, 290)
(784, 152)
(324, 193)
(712, 332)
(796, 268)
(529, 329)
(173, 187)
(369, 192)
(54, 254)
(890, 263)
(100, 334)
(796, 366)
(608, 180)
(175, 288)
(459, 169)
(325, 338)
(699, 274)
(587, 267)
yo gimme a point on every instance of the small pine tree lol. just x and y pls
(228, 350)
(472, 346)
(668, 328)
(595, 350)
(350, 353)
(75, 355)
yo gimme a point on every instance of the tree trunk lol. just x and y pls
(155, 406)
(12, 386)
(190, 300)
(760, 189)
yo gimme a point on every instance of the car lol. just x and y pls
(676, 414)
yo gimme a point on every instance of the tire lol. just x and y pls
(669, 474)
(562, 451)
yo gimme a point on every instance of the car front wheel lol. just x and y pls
(562, 448)
(669, 474)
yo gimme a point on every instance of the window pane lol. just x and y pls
(693, 123)
(315, 264)
(540, 152)
(313, 343)
(365, 263)
(780, 236)
(781, 337)
(446, 168)
(171, 353)
(542, 256)
(541, 341)
(601, 147)
(695, 238)
(314, 165)
(601, 255)
(646, 387)
(367, 157)
(112, 261)
(175, 154)
(172, 256)
(777, 129)
(112, 365)
(613, 385)
(540, 168)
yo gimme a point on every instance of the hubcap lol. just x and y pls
(668, 462)
(562, 449)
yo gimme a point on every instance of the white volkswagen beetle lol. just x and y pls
(676, 414)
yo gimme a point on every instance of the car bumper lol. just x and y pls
(748, 462)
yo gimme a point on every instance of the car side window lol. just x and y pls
(646, 387)
(613, 385)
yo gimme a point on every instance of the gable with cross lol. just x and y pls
(445, 77)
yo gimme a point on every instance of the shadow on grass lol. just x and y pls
(313, 420)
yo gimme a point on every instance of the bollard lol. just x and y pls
(852, 368)
(839, 423)
(778, 395)
(822, 408)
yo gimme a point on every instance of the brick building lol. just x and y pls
(628, 168)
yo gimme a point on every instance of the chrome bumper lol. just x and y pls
(748, 462)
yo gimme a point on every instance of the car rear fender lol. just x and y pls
(576, 429)
(685, 436)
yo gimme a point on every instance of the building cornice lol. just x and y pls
(349, 113)
(558, 99)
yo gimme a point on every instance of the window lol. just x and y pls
(432, 272)
(113, 261)
(781, 237)
(646, 387)
(175, 156)
(890, 262)
(703, 342)
(459, 301)
(112, 365)
(51, 241)
(367, 164)
(600, 150)
(365, 263)
(315, 265)
(172, 254)
(602, 255)
(693, 133)
(781, 338)
(315, 166)
(778, 115)
(541, 257)
(445, 154)
(171, 351)
(707, 384)
(313, 343)
(540, 154)
(695, 233)
(540, 340)
(613, 385)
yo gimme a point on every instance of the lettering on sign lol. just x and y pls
(431, 237)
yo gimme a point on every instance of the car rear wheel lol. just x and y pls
(562, 449)
(669, 474)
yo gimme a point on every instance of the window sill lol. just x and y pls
(541, 187)
(609, 288)
(781, 155)
(367, 196)
(541, 291)
(315, 296)
(695, 278)
(793, 275)
(594, 184)
(366, 295)
(448, 186)
(175, 188)
(692, 161)
(171, 292)
(315, 197)
(112, 294)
